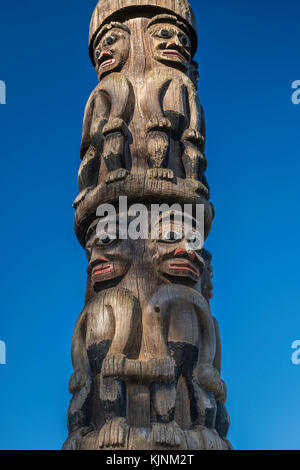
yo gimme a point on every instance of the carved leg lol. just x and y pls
(81, 387)
(164, 397)
(87, 174)
(222, 420)
(127, 315)
(193, 159)
(89, 169)
(121, 96)
(115, 136)
(206, 407)
(166, 431)
(113, 401)
(158, 143)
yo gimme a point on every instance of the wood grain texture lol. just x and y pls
(146, 349)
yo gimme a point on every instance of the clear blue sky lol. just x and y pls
(249, 56)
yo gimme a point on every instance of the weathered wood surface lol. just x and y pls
(146, 349)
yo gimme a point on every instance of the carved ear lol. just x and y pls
(194, 72)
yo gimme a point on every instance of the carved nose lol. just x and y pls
(181, 251)
(173, 43)
(101, 259)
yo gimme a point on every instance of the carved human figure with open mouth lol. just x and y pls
(175, 123)
(170, 39)
(111, 48)
(108, 256)
(178, 249)
(107, 327)
(104, 145)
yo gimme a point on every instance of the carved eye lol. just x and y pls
(164, 33)
(97, 53)
(106, 239)
(172, 237)
(195, 240)
(109, 40)
(184, 40)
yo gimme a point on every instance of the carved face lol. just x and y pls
(111, 49)
(170, 44)
(109, 257)
(173, 256)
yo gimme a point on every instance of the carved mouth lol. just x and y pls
(103, 266)
(175, 53)
(102, 269)
(184, 265)
(106, 60)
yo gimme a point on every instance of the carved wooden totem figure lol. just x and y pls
(146, 348)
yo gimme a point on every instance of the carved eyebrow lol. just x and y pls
(155, 31)
(108, 27)
(168, 19)
(92, 230)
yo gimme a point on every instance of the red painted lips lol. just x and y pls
(174, 52)
(106, 59)
(184, 266)
(103, 266)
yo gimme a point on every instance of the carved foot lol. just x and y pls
(113, 433)
(167, 434)
(160, 173)
(193, 182)
(198, 187)
(193, 136)
(117, 175)
(159, 124)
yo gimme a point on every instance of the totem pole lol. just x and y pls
(146, 349)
